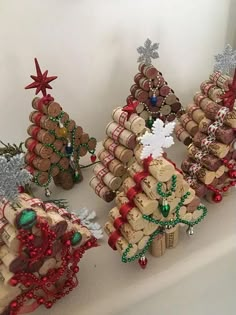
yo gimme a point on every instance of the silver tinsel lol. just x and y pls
(12, 175)
(148, 52)
(226, 61)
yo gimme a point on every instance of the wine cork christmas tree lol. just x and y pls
(153, 202)
(55, 142)
(40, 245)
(208, 129)
(156, 98)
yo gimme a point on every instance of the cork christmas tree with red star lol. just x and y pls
(55, 144)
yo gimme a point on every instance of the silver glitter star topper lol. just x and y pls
(226, 61)
(148, 52)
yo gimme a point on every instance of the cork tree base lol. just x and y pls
(66, 179)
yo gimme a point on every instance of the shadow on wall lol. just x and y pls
(231, 28)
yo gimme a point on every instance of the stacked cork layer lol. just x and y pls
(139, 198)
(15, 258)
(167, 106)
(208, 129)
(46, 156)
(116, 154)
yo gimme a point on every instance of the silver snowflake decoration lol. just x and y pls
(225, 61)
(148, 52)
(12, 175)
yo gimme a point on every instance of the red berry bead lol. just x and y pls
(217, 197)
(226, 188)
(14, 282)
(49, 252)
(29, 295)
(41, 301)
(14, 305)
(48, 304)
(76, 269)
(232, 174)
(143, 262)
(93, 158)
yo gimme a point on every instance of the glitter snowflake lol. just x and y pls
(148, 52)
(85, 217)
(12, 175)
(225, 61)
(159, 138)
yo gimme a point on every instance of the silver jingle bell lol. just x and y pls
(47, 192)
(190, 231)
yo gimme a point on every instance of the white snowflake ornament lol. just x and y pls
(225, 61)
(148, 52)
(12, 175)
(160, 137)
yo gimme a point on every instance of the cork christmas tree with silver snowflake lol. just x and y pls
(208, 129)
(156, 98)
(153, 202)
(56, 143)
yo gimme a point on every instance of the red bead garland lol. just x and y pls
(69, 267)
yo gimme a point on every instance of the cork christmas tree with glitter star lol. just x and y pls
(153, 202)
(155, 96)
(208, 129)
(56, 143)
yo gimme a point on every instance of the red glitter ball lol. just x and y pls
(217, 198)
(13, 282)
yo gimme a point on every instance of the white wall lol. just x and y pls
(91, 46)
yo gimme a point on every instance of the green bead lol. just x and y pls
(165, 209)
(77, 237)
(149, 123)
(129, 259)
(27, 219)
(76, 177)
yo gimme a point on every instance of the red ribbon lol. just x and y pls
(132, 192)
(113, 238)
(35, 132)
(32, 146)
(118, 223)
(130, 108)
(138, 177)
(32, 157)
(230, 96)
(146, 163)
(37, 119)
(44, 101)
(125, 209)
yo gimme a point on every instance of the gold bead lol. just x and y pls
(62, 132)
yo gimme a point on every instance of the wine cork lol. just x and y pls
(92, 144)
(189, 124)
(121, 135)
(64, 163)
(120, 152)
(197, 214)
(11, 261)
(165, 110)
(176, 107)
(137, 77)
(58, 144)
(101, 190)
(217, 148)
(121, 243)
(192, 206)
(42, 177)
(204, 175)
(133, 89)
(211, 110)
(52, 108)
(165, 90)
(47, 265)
(110, 162)
(41, 135)
(161, 169)
(149, 227)
(55, 170)
(71, 125)
(200, 189)
(198, 98)
(42, 150)
(39, 163)
(134, 216)
(144, 115)
(142, 202)
(223, 134)
(9, 237)
(181, 186)
(82, 150)
(148, 183)
(5, 276)
(220, 171)
(170, 99)
(42, 120)
(78, 131)
(148, 70)
(195, 113)
(67, 179)
(84, 138)
(209, 161)
(103, 174)
(182, 211)
(144, 83)
(172, 236)
(139, 108)
(182, 135)
(7, 292)
(158, 246)
(221, 80)
(59, 224)
(126, 230)
(134, 123)
(143, 242)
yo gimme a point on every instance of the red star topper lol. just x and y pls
(41, 81)
(130, 108)
(230, 96)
